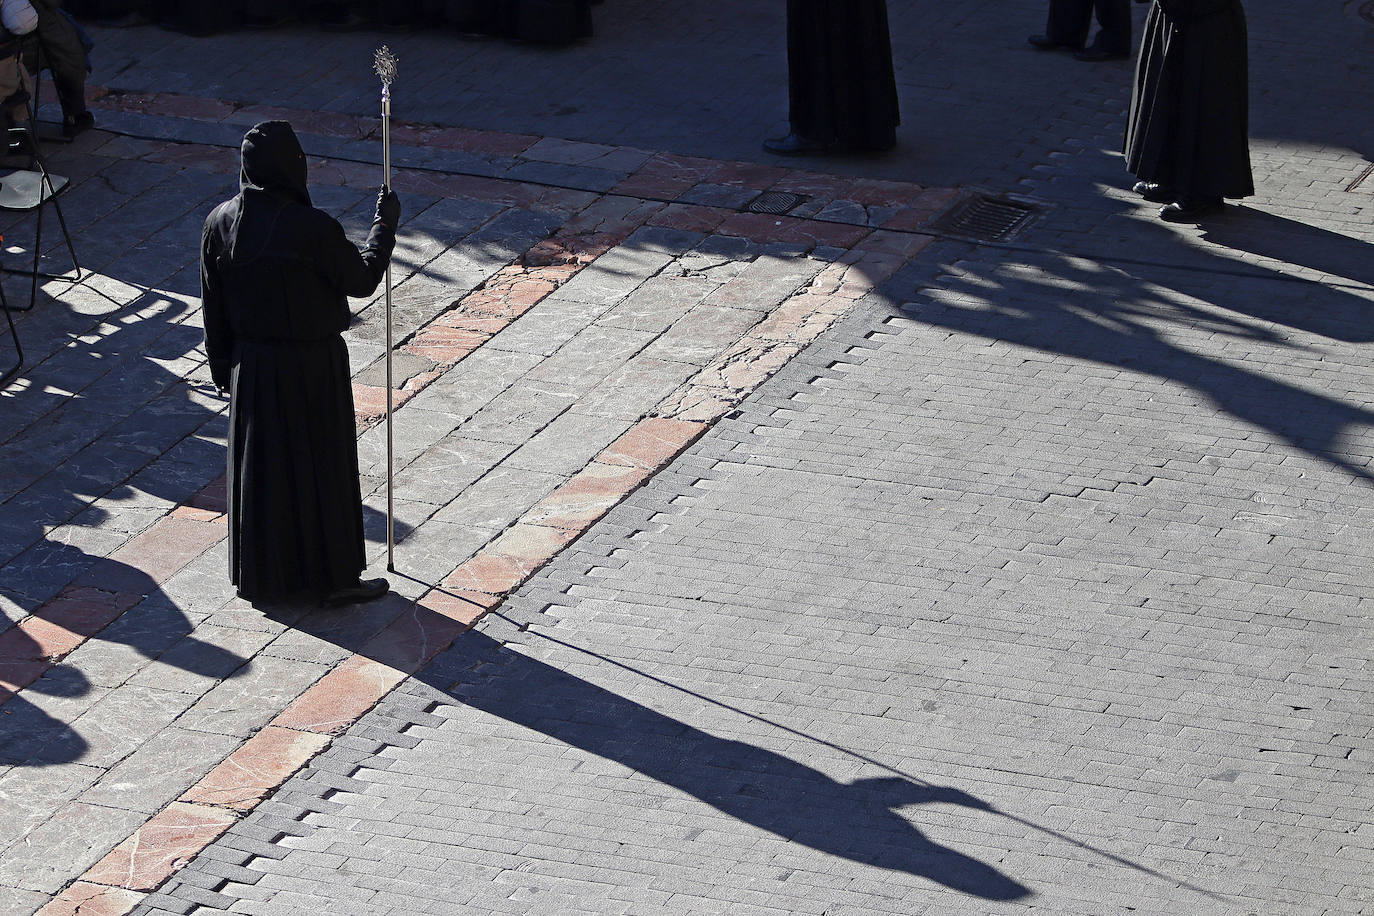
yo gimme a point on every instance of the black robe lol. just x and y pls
(842, 87)
(275, 277)
(1189, 118)
(546, 21)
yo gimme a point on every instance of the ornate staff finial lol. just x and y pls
(384, 62)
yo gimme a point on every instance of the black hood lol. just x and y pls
(274, 162)
(271, 178)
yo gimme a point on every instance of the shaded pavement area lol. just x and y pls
(827, 563)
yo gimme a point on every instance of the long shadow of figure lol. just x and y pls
(856, 821)
(101, 426)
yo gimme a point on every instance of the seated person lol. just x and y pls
(57, 45)
(13, 92)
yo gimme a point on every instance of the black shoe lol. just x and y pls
(1190, 211)
(364, 590)
(77, 123)
(1046, 43)
(1093, 54)
(1154, 192)
(794, 145)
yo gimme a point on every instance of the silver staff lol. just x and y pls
(385, 64)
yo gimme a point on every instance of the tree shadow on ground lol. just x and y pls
(1129, 312)
(1340, 257)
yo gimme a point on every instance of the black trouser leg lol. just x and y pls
(1069, 21)
(1114, 16)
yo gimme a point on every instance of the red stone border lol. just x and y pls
(664, 177)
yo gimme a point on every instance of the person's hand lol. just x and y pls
(388, 207)
(220, 374)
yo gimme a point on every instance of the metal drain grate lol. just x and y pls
(985, 219)
(774, 203)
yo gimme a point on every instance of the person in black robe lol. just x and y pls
(1070, 21)
(841, 84)
(540, 21)
(1187, 134)
(275, 277)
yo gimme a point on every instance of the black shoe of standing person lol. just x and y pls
(80, 122)
(365, 590)
(1046, 43)
(794, 144)
(1155, 192)
(1191, 209)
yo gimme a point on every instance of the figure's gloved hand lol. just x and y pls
(220, 374)
(389, 208)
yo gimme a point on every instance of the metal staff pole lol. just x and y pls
(385, 63)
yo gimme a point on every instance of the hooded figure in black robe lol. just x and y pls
(1187, 132)
(276, 275)
(842, 88)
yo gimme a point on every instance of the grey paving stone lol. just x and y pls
(18, 902)
(242, 705)
(32, 794)
(72, 840)
(501, 496)
(164, 767)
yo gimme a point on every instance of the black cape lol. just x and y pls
(275, 277)
(842, 88)
(1189, 118)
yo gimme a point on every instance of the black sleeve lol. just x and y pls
(219, 336)
(355, 273)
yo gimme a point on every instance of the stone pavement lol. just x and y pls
(1041, 581)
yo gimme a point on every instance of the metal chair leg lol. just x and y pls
(18, 347)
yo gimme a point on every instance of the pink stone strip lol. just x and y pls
(836, 199)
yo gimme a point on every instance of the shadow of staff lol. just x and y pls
(859, 821)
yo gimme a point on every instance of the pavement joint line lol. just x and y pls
(247, 776)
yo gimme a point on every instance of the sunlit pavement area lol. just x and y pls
(831, 562)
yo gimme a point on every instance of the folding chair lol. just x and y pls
(30, 189)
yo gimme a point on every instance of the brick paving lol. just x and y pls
(559, 346)
(1038, 582)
